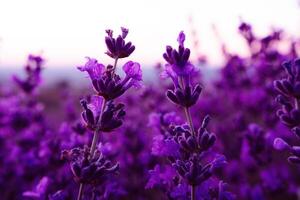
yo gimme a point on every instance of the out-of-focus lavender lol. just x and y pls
(165, 147)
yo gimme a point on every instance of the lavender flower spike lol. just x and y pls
(289, 114)
(179, 59)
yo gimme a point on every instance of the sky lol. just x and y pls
(65, 31)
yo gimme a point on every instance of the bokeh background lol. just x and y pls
(237, 47)
(66, 31)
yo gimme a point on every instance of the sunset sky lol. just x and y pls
(66, 31)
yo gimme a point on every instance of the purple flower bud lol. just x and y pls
(191, 141)
(124, 32)
(296, 131)
(205, 121)
(179, 59)
(280, 144)
(294, 159)
(296, 150)
(181, 38)
(117, 47)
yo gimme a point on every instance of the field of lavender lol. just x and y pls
(231, 136)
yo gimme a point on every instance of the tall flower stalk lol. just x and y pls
(289, 114)
(101, 113)
(190, 144)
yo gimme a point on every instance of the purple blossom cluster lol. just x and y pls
(182, 137)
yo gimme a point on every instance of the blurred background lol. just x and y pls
(239, 47)
(65, 31)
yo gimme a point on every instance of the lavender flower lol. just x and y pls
(191, 145)
(117, 47)
(33, 70)
(289, 89)
(111, 118)
(179, 70)
(102, 114)
(90, 169)
(109, 85)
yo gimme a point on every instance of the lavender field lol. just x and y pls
(179, 129)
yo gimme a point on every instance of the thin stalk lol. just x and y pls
(93, 145)
(97, 132)
(189, 119)
(115, 65)
(296, 103)
(96, 136)
(193, 192)
(94, 195)
(187, 110)
(79, 196)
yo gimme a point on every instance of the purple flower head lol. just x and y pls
(111, 119)
(110, 85)
(193, 171)
(179, 69)
(190, 143)
(179, 59)
(186, 97)
(124, 32)
(117, 47)
(290, 86)
(246, 31)
(90, 169)
(33, 70)
(38, 60)
(181, 38)
(93, 68)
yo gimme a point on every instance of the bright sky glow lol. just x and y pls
(67, 30)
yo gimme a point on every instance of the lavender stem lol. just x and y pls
(296, 103)
(193, 192)
(115, 65)
(97, 133)
(96, 136)
(187, 110)
(189, 119)
(79, 196)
